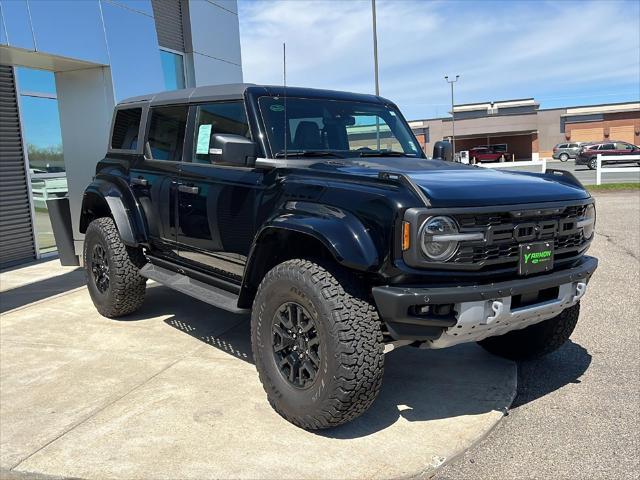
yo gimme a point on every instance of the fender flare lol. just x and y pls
(114, 194)
(340, 232)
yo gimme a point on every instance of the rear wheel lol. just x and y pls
(317, 344)
(564, 157)
(113, 279)
(535, 340)
(593, 163)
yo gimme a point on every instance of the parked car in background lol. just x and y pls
(487, 154)
(565, 151)
(588, 154)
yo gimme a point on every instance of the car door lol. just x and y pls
(607, 150)
(154, 176)
(216, 202)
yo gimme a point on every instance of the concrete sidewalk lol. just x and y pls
(171, 392)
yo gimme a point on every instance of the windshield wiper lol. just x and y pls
(383, 153)
(308, 153)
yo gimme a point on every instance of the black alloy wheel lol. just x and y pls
(100, 268)
(296, 344)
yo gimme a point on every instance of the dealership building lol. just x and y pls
(522, 128)
(63, 67)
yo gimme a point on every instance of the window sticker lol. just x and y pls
(276, 107)
(204, 136)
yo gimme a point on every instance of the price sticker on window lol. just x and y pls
(204, 136)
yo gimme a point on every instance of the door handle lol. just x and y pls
(188, 189)
(140, 181)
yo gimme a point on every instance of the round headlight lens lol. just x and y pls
(434, 247)
(590, 221)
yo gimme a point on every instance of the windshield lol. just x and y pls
(335, 128)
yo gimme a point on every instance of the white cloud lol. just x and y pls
(501, 50)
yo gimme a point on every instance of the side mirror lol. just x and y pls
(232, 149)
(443, 151)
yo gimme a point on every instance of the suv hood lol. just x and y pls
(449, 184)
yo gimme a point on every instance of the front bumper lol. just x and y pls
(479, 311)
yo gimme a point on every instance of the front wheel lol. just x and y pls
(113, 279)
(593, 163)
(564, 157)
(317, 344)
(536, 340)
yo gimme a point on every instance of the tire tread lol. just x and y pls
(355, 323)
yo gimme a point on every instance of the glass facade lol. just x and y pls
(172, 70)
(40, 121)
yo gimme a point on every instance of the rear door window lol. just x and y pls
(125, 129)
(608, 146)
(166, 132)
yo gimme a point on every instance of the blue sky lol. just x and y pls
(561, 53)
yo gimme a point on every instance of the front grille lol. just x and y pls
(506, 231)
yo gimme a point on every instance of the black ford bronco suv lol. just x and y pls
(318, 212)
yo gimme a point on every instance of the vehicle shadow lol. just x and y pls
(537, 378)
(418, 385)
(213, 326)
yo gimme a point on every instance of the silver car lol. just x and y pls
(565, 151)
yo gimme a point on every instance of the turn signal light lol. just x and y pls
(406, 230)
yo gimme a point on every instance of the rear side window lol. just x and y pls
(125, 129)
(608, 146)
(562, 145)
(166, 132)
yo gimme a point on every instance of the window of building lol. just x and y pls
(172, 69)
(166, 132)
(125, 129)
(220, 117)
(40, 121)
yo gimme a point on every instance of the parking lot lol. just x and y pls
(171, 392)
(577, 409)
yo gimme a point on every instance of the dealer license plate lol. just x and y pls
(535, 258)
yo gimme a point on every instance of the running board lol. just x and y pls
(194, 288)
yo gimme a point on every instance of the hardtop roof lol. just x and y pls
(235, 91)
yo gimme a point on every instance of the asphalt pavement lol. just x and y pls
(577, 412)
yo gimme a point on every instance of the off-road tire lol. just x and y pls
(126, 289)
(563, 157)
(593, 163)
(352, 349)
(536, 340)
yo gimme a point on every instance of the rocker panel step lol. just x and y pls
(194, 288)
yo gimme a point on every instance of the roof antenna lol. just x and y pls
(284, 81)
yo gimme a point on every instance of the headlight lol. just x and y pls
(588, 222)
(438, 238)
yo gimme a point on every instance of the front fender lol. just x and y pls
(111, 195)
(341, 232)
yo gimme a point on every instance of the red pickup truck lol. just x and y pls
(487, 154)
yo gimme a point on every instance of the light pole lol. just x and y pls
(375, 46)
(375, 65)
(453, 114)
